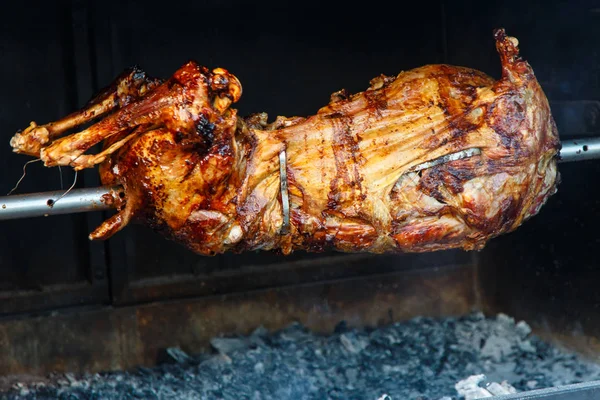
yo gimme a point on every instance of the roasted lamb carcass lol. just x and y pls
(435, 158)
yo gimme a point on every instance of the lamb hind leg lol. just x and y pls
(130, 85)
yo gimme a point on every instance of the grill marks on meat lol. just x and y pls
(199, 174)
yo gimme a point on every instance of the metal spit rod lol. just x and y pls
(580, 149)
(102, 198)
(577, 391)
(51, 203)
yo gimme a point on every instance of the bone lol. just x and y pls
(130, 85)
(111, 225)
(89, 160)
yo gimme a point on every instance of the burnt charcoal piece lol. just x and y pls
(419, 359)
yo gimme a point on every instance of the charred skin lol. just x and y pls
(202, 176)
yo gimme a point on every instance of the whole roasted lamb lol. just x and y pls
(434, 158)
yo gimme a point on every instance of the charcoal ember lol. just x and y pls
(498, 348)
(226, 345)
(353, 343)
(295, 333)
(215, 362)
(523, 329)
(423, 358)
(229, 345)
(501, 388)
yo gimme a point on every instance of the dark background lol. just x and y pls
(289, 58)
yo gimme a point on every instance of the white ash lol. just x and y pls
(476, 387)
(420, 359)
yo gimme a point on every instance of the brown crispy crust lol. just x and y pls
(199, 174)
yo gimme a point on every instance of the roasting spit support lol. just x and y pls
(103, 198)
(580, 149)
(57, 202)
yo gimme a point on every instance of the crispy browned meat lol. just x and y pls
(360, 173)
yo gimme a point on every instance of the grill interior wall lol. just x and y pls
(289, 58)
(547, 271)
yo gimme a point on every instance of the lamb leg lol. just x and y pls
(130, 85)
